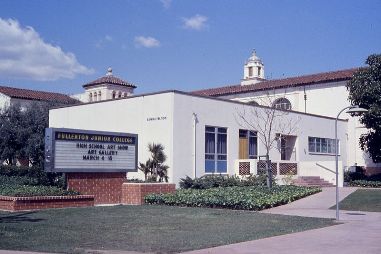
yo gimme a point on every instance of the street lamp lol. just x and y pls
(351, 109)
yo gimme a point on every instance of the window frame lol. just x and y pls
(329, 146)
(280, 102)
(218, 159)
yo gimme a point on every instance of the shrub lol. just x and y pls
(214, 181)
(27, 191)
(236, 197)
(365, 183)
(34, 175)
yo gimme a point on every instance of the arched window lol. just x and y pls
(120, 94)
(95, 96)
(113, 94)
(99, 96)
(282, 103)
(90, 97)
(254, 103)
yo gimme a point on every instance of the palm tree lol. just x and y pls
(146, 168)
(158, 158)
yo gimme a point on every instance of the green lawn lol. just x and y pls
(367, 200)
(141, 228)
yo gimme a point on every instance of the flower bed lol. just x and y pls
(244, 198)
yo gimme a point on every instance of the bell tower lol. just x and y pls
(253, 70)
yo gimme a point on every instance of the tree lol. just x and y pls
(22, 132)
(155, 165)
(365, 91)
(269, 122)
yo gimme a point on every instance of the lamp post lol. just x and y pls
(351, 109)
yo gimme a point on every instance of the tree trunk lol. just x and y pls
(269, 172)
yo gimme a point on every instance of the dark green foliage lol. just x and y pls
(365, 91)
(213, 181)
(243, 198)
(34, 175)
(359, 179)
(22, 132)
(365, 183)
(154, 168)
(27, 186)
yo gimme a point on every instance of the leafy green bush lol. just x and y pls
(214, 181)
(236, 197)
(365, 183)
(36, 175)
(27, 186)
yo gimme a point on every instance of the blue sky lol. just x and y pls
(179, 44)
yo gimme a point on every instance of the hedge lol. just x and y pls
(365, 183)
(213, 181)
(243, 198)
(22, 186)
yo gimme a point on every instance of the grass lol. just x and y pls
(141, 228)
(366, 200)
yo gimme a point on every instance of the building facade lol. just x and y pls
(322, 94)
(201, 139)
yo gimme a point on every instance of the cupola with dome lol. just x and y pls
(107, 87)
(253, 71)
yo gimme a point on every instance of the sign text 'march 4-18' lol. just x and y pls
(72, 150)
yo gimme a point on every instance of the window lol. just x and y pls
(254, 103)
(120, 95)
(322, 145)
(99, 96)
(282, 103)
(90, 97)
(113, 94)
(259, 71)
(125, 95)
(248, 144)
(95, 96)
(215, 150)
(250, 71)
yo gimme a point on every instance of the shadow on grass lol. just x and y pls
(18, 218)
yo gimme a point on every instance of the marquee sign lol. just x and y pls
(71, 150)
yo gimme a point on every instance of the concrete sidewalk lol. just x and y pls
(359, 233)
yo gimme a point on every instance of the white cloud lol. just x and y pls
(166, 3)
(24, 54)
(147, 42)
(196, 22)
(101, 42)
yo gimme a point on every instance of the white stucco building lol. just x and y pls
(201, 135)
(23, 97)
(322, 94)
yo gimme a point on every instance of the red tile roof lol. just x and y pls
(27, 94)
(313, 79)
(110, 79)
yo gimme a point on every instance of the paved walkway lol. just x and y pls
(359, 233)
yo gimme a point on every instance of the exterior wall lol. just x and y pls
(134, 193)
(43, 202)
(325, 99)
(4, 101)
(222, 114)
(150, 117)
(167, 118)
(105, 187)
